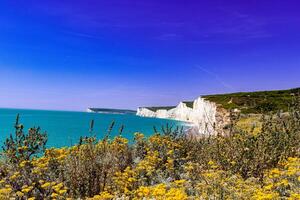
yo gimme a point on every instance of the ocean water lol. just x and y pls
(64, 128)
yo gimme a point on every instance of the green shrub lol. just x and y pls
(23, 146)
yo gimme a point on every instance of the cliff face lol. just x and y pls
(204, 115)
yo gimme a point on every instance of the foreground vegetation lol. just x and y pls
(241, 165)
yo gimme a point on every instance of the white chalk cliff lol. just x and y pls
(203, 115)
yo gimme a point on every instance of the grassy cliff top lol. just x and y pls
(256, 102)
(154, 108)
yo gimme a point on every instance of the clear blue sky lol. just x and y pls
(69, 54)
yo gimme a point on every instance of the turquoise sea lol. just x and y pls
(64, 128)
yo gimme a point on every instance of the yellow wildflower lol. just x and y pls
(61, 192)
(26, 189)
(274, 173)
(5, 191)
(54, 195)
(179, 182)
(19, 194)
(211, 162)
(45, 185)
(285, 182)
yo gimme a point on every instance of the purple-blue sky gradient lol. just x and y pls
(69, 54)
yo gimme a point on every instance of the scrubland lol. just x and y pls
(247, 163)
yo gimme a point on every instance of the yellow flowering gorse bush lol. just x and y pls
(163, 166)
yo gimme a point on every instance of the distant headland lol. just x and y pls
(111, 111)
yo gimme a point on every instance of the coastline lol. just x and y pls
(201, 115)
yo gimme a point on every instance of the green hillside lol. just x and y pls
(154, 108)
(256, 102)
(249, 102)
